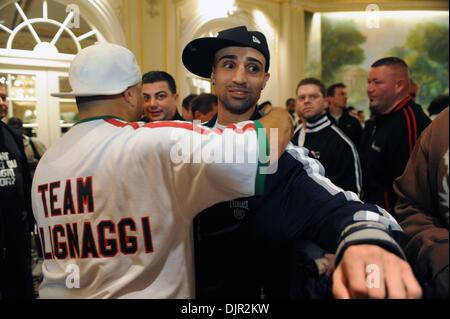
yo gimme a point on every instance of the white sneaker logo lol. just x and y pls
(256, 40)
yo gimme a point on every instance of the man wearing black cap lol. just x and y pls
(244, 250)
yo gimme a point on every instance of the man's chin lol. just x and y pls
(155, 118)
(239, 108)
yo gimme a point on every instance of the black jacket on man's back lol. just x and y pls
(386, 145)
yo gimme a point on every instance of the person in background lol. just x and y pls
(160, 97)
(204, 107)
(362, 118)
(438, 105)
(422, 208)
(186, 107)
(34, 148)
(265, 106)
(290, 107)
(390, 138)
(16, 219)
(340, 115)
(329, 145)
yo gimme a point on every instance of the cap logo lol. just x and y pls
(256, 40)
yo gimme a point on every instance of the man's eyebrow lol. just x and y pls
(234, 57)
(229, 57)
(157, 93)
(254, 60)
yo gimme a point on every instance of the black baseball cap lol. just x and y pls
(198, 55)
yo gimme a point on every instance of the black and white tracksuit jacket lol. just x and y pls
(334, 150)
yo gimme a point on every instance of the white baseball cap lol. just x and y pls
(102, 69)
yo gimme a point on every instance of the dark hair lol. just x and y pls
(438, 104)
(187, 101)
(332, 88)
(264, 104)
(160, 76)
(15, 121)
(289, 100)
(203, 103)
(313, 81)
(390, 62)
(351, 108)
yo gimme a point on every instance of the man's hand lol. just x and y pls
(369, 271)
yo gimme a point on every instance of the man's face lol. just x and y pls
(382, 89)
(3, 102)
(160, 104)
(340, 98)
(186, 114)
(290, 107)
(199, 116)
(310, 101)
(239, 77)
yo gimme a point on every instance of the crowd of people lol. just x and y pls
(343, 192)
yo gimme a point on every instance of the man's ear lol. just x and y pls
(130, 95)
(401, 85)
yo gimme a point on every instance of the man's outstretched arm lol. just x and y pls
(369, 261)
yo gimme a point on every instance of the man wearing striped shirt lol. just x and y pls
(327, 143)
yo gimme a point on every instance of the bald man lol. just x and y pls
(387, 144)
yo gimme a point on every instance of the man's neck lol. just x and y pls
(225, 117)
(336, 111)
(399, 100)
(172, 115)
(316, 118)
(105, 109)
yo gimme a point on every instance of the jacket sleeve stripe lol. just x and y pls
(356, 161)
(316, 172)
(414, 124)
(408, 124)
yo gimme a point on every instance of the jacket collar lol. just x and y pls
(400, 106)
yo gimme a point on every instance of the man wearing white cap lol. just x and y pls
(110, 196)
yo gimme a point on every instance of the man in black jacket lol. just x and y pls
(389, 140)
(240, 248)
(339, 115)
(15, 213)
(334, 150)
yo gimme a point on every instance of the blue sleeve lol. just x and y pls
(317, 210)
